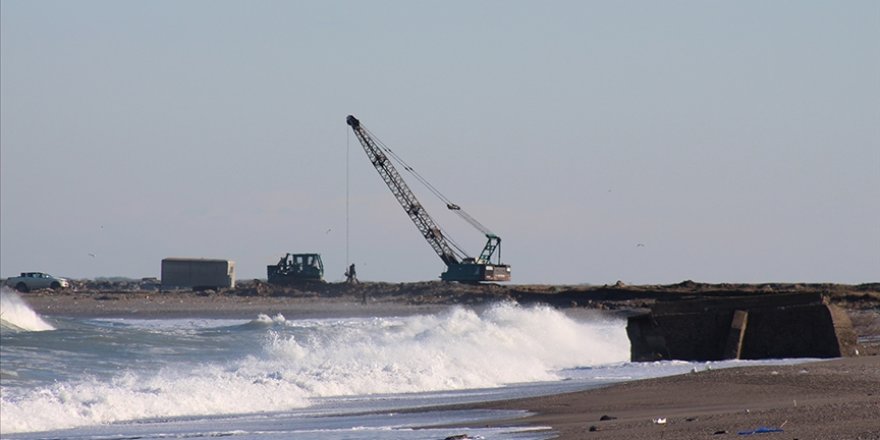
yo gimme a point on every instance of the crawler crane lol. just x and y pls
(459, 266)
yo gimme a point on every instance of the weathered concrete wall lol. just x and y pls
(751, 327)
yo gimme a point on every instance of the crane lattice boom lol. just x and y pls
(404, 194)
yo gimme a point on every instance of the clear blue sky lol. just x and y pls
(737, 141)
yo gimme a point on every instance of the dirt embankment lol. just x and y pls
(619, 296)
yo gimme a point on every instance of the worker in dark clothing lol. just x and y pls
(351, 275)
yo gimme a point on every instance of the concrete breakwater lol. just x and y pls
(752, 327)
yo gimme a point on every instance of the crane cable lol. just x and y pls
(449, 203)
(461, 253)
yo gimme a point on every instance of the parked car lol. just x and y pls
(36, 280)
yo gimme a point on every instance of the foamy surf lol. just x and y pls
(16, 315)
(458, 349)
(292, 363)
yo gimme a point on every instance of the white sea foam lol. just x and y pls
(454, 350)
(16, 314)
(206, 390)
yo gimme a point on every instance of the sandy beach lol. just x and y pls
(836, 399)
(833, 399)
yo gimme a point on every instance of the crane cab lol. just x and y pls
(469, 271)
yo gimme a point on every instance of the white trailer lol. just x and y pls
(197, 273)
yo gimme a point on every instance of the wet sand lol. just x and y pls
(836, 399)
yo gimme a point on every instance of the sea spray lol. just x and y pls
(286, 363)
(15, 314)
(455, 350)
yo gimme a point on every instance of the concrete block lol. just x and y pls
(750, 327)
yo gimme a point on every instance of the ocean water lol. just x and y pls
(271, 377)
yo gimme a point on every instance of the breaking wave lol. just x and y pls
(302, 360)
(16, 315)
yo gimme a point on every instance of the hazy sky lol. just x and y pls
(735, 141)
